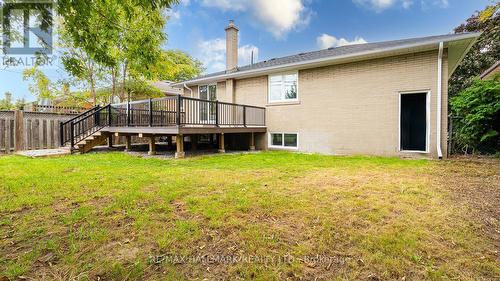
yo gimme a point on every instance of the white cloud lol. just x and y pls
(381, 5)
(213, 54)
(407, 4)
(277, 16)
(173, 15)
(245, 54)
(325, 41)
(234, 5)
(377, 5)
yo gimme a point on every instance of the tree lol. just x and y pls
(478, 109)
(79, 64)
(7, 104)
(40, 85)
(175, 65)
(484, 53)
(124, 36)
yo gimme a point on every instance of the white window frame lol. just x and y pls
(282, 146)
(208, 85)
(427, 120)
(269, 87)
(208, 119)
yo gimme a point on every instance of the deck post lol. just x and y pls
(194, 142)
(179, 142)
(221, 143)
(110, 116)
(178, 113)
(152, 145)
(244, 116)
(128, 112)
(150, 112)
(128, 142)
(170, 140)
(217, 113)
(110, 141)
(252, 142)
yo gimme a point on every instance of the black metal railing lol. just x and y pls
(162, 112)
(84, 125)
(182, 111)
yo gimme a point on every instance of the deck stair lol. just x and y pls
(97, 138)
(82, 133)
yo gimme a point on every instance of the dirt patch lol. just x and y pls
(475, 184)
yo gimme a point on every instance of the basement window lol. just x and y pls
(284, 140)
(283, 87)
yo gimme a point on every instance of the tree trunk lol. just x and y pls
(113, 84)
(124, 95)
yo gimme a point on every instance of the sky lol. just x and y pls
(275, 28)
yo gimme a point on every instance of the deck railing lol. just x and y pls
(185, 111)
(163, 112)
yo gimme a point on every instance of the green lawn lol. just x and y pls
(263, 216)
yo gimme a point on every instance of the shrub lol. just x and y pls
(477, 112)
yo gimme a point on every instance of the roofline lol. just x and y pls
(331, 59)
(490, 69)
(471, 43)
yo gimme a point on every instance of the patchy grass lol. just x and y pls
(264, 216)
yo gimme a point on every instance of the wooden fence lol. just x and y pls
(54, 109)
(21, 130)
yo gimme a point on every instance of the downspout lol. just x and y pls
(439, 100)
(186, 87)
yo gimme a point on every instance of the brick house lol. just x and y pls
(386, 98)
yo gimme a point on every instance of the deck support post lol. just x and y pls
(179, 142)
(110, 140)
(194, 142)
(152, 145)
(221, 143)
(252, 142)
(128, 142)
(170, 140)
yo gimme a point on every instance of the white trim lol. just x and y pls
(283, 101)
(427, 120)
(208, 98)
(270, 142)
(352, 56)
(439, 100)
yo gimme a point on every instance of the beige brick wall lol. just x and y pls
(353, 108)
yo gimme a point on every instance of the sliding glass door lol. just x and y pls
(207, 110)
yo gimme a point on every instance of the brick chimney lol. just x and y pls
(231, 46)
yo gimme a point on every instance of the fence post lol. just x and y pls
(18, 130)
(179, 100)
(150, 112)
(216, 113)
(61, 134)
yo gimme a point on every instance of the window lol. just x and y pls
(284, 140)
(283, 87)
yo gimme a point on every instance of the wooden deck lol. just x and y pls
(172, 116)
